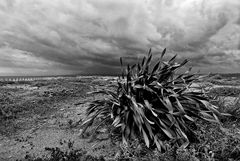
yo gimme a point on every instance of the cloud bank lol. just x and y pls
(88, 36)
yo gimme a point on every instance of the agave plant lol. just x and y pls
(155, 104)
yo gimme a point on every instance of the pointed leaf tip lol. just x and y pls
(143, 61)
(163, 52)
(155, 68)
(121, 61)
(173, 58)
(149, 52)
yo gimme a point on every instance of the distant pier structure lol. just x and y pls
(18, 79)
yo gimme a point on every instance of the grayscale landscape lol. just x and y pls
(107, 80)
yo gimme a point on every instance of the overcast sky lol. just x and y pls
(42, 37)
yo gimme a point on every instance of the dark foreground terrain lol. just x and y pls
(48, 113)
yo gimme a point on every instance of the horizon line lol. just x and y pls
(74, 75)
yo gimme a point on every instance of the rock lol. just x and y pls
(102, 130)
(65, 115)
(52, 121)
(52, 116)
(81, 134)
(35, 117)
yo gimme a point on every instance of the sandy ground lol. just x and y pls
(51, 129)
(46, 132)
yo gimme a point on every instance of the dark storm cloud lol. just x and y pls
(65, 36)
(209, 60)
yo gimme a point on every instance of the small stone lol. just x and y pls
(102, 130)
(80, 133)
(53, 121)
(35, 117)
(65, 115)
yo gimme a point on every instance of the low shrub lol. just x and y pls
(6, 108)
(56, 154)
(225, 91)
(230, 108)
(153, 105)
(220, 144)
